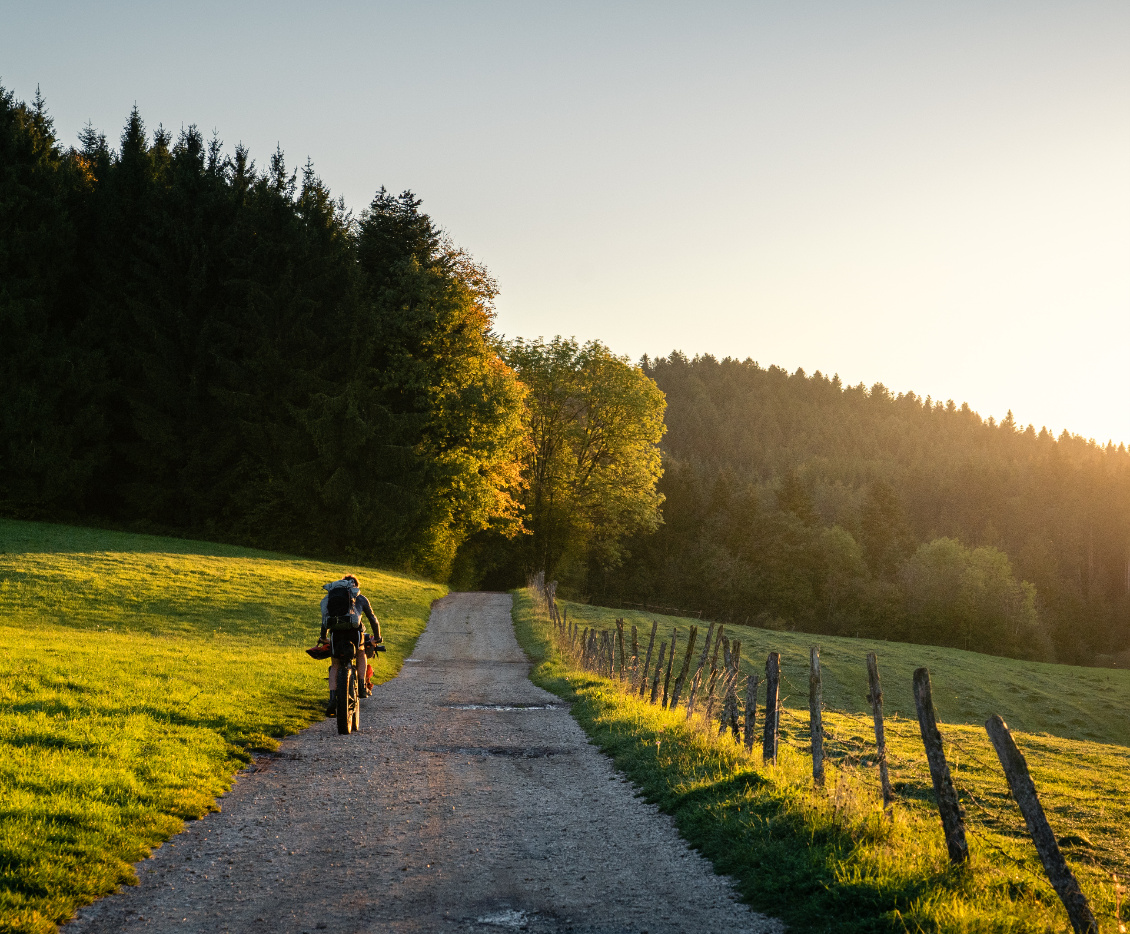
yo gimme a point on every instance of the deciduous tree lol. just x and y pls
(593, 460)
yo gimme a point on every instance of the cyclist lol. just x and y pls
(361, 608)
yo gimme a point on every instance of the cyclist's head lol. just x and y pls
(351, 577)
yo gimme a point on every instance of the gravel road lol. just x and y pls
(470, 802)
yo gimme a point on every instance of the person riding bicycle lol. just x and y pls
(355, 634)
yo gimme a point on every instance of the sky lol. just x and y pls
(935, 196)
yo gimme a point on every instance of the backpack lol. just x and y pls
(341, 607)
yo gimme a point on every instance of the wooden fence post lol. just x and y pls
(729, 716)
(875, 697)
(1024, 791)
(953, 817)
(772, 707)
(694, 691)
(730, 705)
(658, 672)
(750, 711)
(724, 713)
(711, 683)
(620, 644)
(815, 718)
(635, 662)
(670, 665)
(681, 679)
(718, 640)
(647, 664)
(697, 681)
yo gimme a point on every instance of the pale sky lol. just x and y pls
(931, 195)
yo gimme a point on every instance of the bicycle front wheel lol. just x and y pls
(355, 702)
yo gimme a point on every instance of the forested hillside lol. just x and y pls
(192, 342)
(796, 502)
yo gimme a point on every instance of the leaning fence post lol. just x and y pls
(772, 707)
(647, 664)
(750, 710)
(875, 696)
(953, 817)
(658, 672)
(815, 720)
(697, 681)
(681, 679)
(724, 713)
(1024, 791)
(670, 665)
(694, 691)
(711, 683)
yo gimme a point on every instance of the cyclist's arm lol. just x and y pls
(363, 605)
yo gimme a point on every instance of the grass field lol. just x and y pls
(137, 675)
(829, 861)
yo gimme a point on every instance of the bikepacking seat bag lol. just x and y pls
(343, 643)
(341, 608)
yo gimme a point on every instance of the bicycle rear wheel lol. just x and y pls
(344, 720)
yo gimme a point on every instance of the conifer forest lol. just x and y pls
(202, 341)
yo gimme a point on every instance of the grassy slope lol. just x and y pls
(137, 675)
(825, 862)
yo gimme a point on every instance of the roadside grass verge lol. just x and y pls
(830, 861)
(137, 675)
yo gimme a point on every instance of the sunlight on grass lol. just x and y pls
(832, 860)
(137, 675)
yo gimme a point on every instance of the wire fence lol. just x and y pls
(705, 684)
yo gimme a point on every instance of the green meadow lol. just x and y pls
(138, 674)
(829, 860)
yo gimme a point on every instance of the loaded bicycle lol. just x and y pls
(342, 610)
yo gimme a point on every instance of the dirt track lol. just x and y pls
(445, 813)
